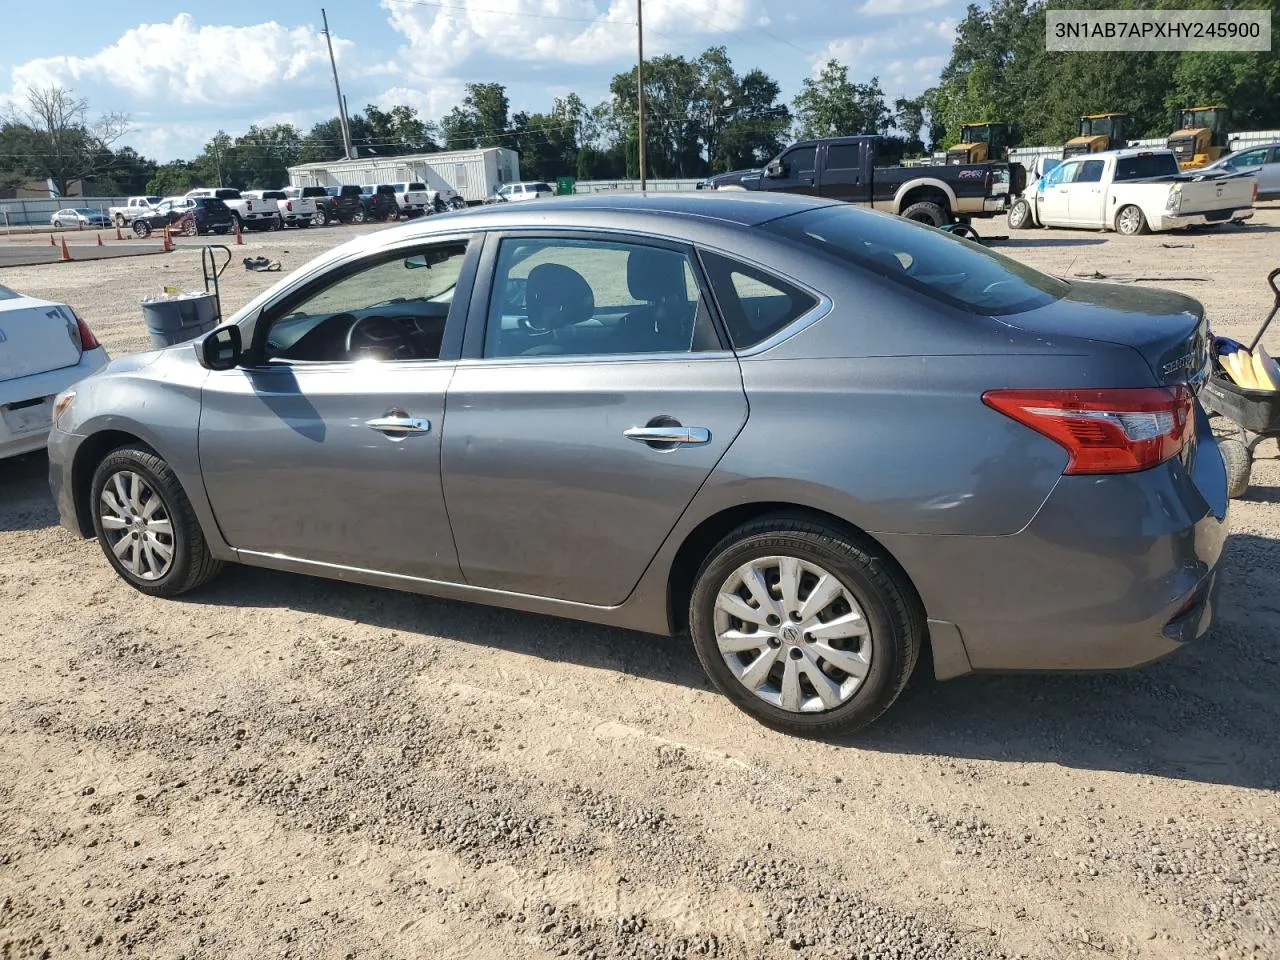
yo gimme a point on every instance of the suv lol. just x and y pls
(380, 202)
(348, 203)
(208, 215)
(533, 190)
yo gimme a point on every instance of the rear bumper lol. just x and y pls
(41, 386)
(1201, 219)
(1113, 572)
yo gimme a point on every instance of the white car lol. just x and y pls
(530, 190)
(79, 217)
(44, 349)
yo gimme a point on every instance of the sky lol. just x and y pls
(181, 75)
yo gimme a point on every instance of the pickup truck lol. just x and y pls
(1132, 191)
(844, 168)
(414, 199)
(293, 211)
(249, 212)
(134, 206)
(326, 211)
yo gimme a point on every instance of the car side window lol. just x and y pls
(1251, 159)
(564, 297)
(754, 303)
(392, 307)
(1090, 172)
(800, 162)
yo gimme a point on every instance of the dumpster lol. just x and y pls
(176, 317)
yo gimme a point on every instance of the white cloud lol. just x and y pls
(898, 7)
(185, 64)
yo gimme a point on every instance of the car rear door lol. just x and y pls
(593, 399)
(1086, 199)
(325, 447)
(842, 167)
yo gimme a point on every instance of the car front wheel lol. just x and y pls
(1020, 215)
(146, 525)
(804, 627)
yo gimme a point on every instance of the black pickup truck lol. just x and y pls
(844, 168)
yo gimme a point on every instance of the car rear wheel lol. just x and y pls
(320, 218)
(1130, 221)
(141, 228)
(926, 212)
(119, 220)
(1020, 216)
(146, 525)
(803, 626)
(357, 216)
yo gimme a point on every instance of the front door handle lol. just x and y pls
(672, 434)
(399, 425)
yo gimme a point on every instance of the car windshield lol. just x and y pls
(933, 262)
(152, 200)
(85, 211)
(7, 294)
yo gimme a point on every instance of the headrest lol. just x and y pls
(557, 296)
(655, 275)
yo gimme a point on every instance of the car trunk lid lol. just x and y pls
(35, 337)
(1168, 329)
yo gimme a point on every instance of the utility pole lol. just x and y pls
(640, 88)
(342, 104)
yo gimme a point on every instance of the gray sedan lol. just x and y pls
(1262, 160)
(822, 441)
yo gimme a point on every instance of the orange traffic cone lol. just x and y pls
(52, 242)
(239, 236)
(66, 254)
(168, 242)
(100, 240)
(119, 236)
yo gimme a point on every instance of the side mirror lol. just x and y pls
(416, 262)
(774, 169)
(220, 348)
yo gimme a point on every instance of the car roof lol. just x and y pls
(736, 207)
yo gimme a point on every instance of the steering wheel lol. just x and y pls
(377, 332)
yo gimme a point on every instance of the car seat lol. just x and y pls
(665, 323)
(556, 299)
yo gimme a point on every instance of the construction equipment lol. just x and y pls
(1098, 132)
(980, 142)
(1200, 137)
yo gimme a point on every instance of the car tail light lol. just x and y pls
(249, 206)
(80, 333)
(1105, 431)
(288, 205)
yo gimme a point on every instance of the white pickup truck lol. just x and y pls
(134, 207)
(293, 211)
(252, 213)
(1132, 191)
(413, 199)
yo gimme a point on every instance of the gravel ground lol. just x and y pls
(278, 766)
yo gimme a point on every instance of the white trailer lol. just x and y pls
(474, 175)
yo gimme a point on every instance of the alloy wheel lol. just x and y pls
(793, 634)
(136, 525)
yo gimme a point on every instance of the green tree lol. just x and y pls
(59, 142)
(400, 131)
(481, 120)
(174, 178)
(831, 105)
(261, 157)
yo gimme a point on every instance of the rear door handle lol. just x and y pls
(668, 434)
(399, 425)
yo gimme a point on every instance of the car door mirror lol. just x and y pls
(774, 169)
(220, 348)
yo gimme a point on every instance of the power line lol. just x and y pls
(513, 13)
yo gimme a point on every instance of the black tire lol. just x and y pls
(357, 216)
(1130, 225)
(926, 212)
(320, 218)
(1235, 457)
(141, 228)
(888, 603)
(119, 220)
(192, 564)
(1020, 216)
(237, 223)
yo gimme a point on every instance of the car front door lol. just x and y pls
(1052, 200)
(1269, 175)
(842, 172)
(797, 171)
(1086, 199)
(593, 399)
(325, 446)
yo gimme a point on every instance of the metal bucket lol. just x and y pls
(181, 318)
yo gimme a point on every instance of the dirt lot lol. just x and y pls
(279, 766)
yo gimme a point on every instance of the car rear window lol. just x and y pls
(315, 192)
(273, 195)
(961, 273)
(386, 188)
(754, 303)
(227, 194)
(212, 203)
(1150, 165)
(417, 186)
(350, 190)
